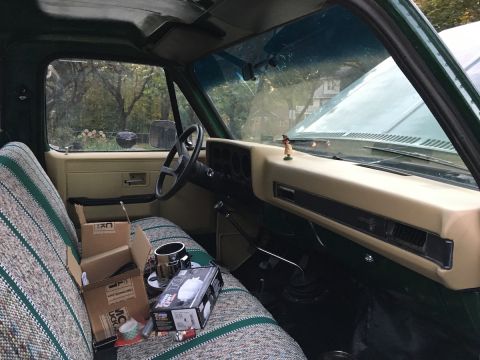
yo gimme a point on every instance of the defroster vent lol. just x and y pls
(407, 236)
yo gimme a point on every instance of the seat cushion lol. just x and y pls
(42, 314)
(239, 326)
(160, 230)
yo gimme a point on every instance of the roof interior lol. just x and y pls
(171, 30)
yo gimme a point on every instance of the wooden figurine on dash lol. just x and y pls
(288, 148)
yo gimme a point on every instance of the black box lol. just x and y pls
(188, 299)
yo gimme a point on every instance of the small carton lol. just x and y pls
(188, 300)
(99, 237)
(111, 298)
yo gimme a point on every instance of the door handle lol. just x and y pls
(136, 179)
(135, 182)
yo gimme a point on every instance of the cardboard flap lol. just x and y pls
(100, 237)
(80, 214)
(74, 267)
(113, 279)
(140, 248)
(104, 265)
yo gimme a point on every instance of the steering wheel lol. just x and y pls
(183, 165)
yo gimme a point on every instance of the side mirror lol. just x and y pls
(162, 134)
(126, 139)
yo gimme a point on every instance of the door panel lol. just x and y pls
(105, 175)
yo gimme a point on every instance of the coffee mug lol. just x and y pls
(170, 258)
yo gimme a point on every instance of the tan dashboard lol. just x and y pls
(448, 211)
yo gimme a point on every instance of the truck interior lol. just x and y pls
(365, 245)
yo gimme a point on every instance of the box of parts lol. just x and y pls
(110, 275)
(188, 300)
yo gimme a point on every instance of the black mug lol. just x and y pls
(169, 259)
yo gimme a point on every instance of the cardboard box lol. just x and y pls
(188, 299)
(111, 300)
(100, 237)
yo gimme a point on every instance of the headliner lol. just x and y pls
(172, 30)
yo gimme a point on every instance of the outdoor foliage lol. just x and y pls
(105, 97)
(445, 14)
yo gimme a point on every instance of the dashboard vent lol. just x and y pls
(408, 236)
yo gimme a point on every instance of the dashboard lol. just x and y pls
(429, 227)
(233, 163)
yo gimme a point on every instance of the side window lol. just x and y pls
(96, 105)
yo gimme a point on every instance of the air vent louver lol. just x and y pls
(408, 236)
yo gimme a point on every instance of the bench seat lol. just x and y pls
(42, 314)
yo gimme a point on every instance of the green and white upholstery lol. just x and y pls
(160, 230)
(36, 186)
(42, 315)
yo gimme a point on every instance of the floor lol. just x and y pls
(316, 309)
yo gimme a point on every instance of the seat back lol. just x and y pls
(42, 314)
(23, 164)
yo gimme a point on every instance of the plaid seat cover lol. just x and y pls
(239, 326)
(42, 315)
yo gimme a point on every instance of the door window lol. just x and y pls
(96, 105)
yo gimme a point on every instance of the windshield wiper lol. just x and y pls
(416, 155)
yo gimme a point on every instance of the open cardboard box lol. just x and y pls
(111, 300)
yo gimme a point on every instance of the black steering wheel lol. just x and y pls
(183, 165)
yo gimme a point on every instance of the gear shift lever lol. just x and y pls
(222, 210)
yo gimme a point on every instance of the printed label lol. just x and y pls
(119, 291)
(166, 301)
(185, 319)
(162, 321)
(112, 320)
(104, 228)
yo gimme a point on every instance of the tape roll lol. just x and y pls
(129, 329)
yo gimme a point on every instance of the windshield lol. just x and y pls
(330, 86)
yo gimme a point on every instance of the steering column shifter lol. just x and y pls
(220, 208)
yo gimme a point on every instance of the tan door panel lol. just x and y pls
(106, 175)
(79, 184)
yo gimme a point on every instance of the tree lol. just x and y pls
(444, 14)
(126, 83)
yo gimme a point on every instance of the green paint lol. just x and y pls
(229, 290)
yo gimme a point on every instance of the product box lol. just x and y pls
(114, 268)
(188, 300)
(99, 237)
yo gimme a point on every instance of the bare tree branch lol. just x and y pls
(137, 96)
